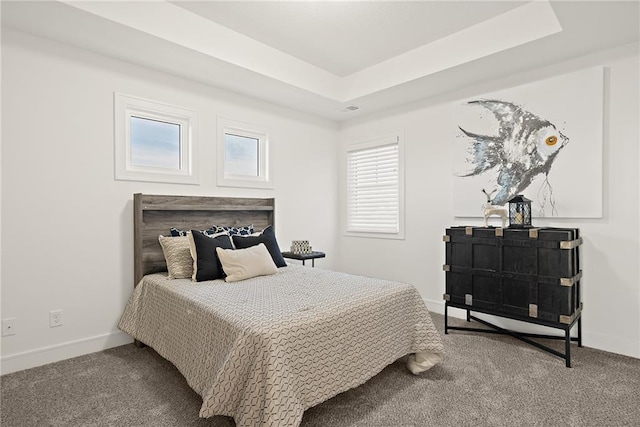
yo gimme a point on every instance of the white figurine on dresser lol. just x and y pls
(489, 209)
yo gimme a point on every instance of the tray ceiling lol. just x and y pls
(320, 57)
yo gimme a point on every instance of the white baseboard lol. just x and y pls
(42, 356)
(55, 353)
(609, 343)
(438, 307)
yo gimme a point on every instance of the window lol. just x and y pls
(154, 141)
(243, 155)
(375, 189)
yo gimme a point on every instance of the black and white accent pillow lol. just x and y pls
(217, 229)
(176, 232)
(247, 230)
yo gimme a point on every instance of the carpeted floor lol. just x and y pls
(486, 380)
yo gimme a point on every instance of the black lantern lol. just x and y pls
(519, 212)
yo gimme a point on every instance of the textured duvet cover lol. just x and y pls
(265, 349)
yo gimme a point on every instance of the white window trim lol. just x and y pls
(264, 178)
(377, 142)
(126, 106)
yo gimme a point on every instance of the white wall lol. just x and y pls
(67, 225)
(611, 288)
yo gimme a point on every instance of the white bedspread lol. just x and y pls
(264, 350)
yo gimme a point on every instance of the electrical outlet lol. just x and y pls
(55, 318)
(8, 327)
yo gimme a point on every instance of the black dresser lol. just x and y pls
(531, 275)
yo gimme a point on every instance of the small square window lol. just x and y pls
(154, 141)
(243, 155)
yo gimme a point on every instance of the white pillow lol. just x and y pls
(177, 256)
(241, 264)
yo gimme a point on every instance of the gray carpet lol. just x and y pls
(486, 380)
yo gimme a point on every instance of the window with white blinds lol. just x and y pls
(374, 184)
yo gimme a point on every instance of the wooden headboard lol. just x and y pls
(154, 215)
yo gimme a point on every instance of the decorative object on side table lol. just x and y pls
(301, 247)
(519, 212)
(304, 256)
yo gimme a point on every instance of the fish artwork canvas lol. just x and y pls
(542, 140)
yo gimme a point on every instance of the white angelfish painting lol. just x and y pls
(542, 140)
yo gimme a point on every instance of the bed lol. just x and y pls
(265, 349)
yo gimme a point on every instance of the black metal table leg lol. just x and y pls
(567, 347)
(446, 320)
(579, 331)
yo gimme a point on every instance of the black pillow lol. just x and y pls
(268, 237)
(208, 265)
